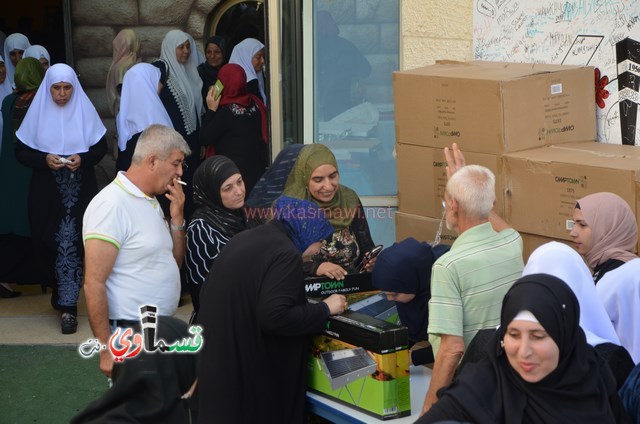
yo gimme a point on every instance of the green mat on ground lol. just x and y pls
(46, 384)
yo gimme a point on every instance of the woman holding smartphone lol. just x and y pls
(61, 139)
(315, 177)
(236, 124)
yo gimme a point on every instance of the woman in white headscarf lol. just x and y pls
(619, 291)
(182, 98)
(562, 261)
(61, 139)
(38, 52)
(249, 53)
(140, 106)
(14, 47)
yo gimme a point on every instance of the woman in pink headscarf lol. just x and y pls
(605, 232)
(126, 53)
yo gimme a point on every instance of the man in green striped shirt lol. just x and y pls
(469, 282)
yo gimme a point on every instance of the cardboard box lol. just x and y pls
(531, 242)
(543, 185)
(362, 362)
(422, 178)
(494, 107)
(422, 228)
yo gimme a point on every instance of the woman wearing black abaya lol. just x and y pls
(257, 323)
(539, 367)
(61, 139)
(218, 193)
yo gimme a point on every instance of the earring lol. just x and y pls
(502, 344)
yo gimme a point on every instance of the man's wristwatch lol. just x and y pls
(178, 227)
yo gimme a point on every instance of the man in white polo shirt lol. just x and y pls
(133, 252)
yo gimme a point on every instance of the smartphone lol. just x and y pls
(217, 88)
(369, 256)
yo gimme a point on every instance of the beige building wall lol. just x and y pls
(431, 30)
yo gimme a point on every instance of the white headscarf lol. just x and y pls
(38, 52)
(61, 130)
(242, 55)
(561, 261)
(619, 291)
(140, 104)
(15, 41)
(184, 81)
(5, 87)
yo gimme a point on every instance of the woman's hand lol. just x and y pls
(212, 102)
(331, 270)
(368, 267)
(54, 162)
(74, 162)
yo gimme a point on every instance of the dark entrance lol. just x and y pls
(42, 22)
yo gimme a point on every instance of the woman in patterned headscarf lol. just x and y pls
(61, 139)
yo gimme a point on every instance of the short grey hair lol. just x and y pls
(161, 141)
(474, 188)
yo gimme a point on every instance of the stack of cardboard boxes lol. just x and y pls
(533, 125)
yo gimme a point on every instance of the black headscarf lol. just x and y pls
(405, 267)
(207, 180)
(208, 73)
(580, 390)
(148, 388)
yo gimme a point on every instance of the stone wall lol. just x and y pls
(429, 30)
(96, 23)
(435, 29)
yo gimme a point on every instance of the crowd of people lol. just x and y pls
(53, 171)
(195, 204)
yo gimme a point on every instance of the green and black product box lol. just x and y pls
(362, 362)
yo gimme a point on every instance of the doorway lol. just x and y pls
(42, 22)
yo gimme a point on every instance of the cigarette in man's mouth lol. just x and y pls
(181, 182)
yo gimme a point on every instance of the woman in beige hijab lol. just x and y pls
(605, 232)
(126, 53)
